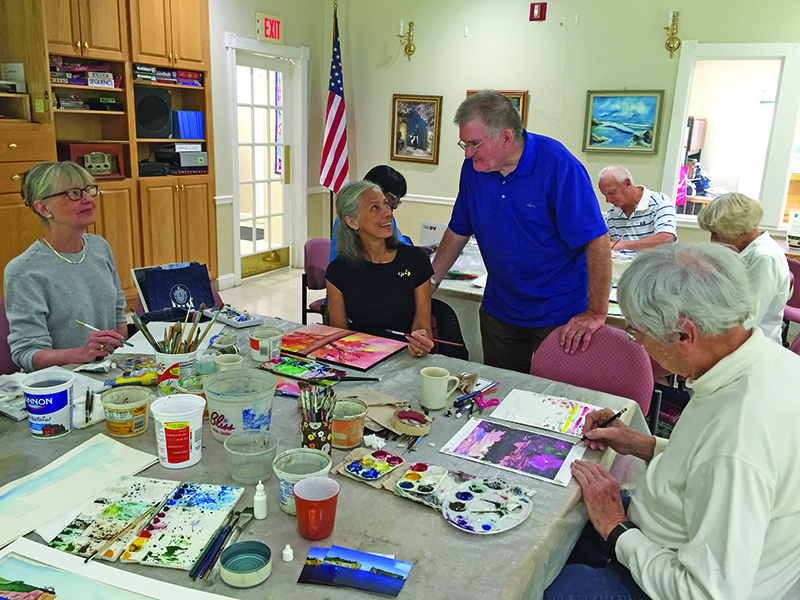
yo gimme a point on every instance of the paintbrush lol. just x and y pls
(133, 525)
(145, 332)
(195, 321)
(615, 243)
(88, 408)
(210, 325)
(605, 423)
(214, 548)
(96, 329)
(340, 378)
(244, 518)
(393, 332)
(204, 555)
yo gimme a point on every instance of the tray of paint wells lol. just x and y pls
(428, 484)
(486, 506)
(374, 465)
(232, 316)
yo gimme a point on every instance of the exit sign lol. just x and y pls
(269, 29)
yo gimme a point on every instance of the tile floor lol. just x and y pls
(274, 294)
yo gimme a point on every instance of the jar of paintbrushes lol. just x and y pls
(315, 424)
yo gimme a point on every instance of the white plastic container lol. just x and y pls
(294, 465)
(48, 398)
(265, 343)
(125, 409)
(178, 423)
(239, 400)
(175, 366)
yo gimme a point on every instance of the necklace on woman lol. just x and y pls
(72, 262)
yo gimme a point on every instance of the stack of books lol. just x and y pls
(161, 75)
(144, 72)
(95, 75)
(71, 102)
(191, 78)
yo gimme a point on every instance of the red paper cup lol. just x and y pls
(315, 499)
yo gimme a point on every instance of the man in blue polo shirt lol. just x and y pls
(531, 206)
(639, 219)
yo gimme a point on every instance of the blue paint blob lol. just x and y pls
(486, 527)
(464, 496)
(371, 474)
(406, 485)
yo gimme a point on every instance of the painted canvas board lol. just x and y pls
(534, 454)
(189, 519)
(344, 567)
(552, 413)
(342, 347)
(72, 579)
(76, 477)
(105, 516)
(626, 121)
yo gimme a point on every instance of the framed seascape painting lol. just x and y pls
(627, 121)
(416, 123)
(519, 98)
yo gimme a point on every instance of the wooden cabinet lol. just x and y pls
(165, 33)
(179, 221)
(117, 220)
(16, 218)
(90, 28)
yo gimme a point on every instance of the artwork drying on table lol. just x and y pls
(343, 567)
(623, 121)
(340, 346)
(32, 571)
(553, 413)
(541, 456)
(519, 98)
(415, 128)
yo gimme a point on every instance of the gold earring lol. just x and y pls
(48, 216)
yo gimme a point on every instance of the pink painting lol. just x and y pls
(340, 346)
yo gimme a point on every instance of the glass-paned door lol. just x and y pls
(263, 214)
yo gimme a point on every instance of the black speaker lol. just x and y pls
(153, 112)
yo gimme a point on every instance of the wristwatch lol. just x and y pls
(435, 283)
(616, 532)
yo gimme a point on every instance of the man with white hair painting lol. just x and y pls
(716, 514)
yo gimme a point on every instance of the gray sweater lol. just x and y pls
(45, 294)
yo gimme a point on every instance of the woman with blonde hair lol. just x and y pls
(732, 219)
(64, 276)
(377, 284)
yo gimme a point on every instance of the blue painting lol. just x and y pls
(623, 121)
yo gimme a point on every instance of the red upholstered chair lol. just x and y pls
(792, 310)
(7, 366)
(795, 347)
(316, 255)
(612, 364)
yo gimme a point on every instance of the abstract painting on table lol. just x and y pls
(627, 121)
(340, 346)
(189, 519)
(534, 454)
(553, 413)
(343, 567)
(33, 571)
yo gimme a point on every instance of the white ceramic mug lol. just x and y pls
(228, 362)
(436, 385)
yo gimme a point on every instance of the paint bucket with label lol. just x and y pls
(174, 366)
(348, 423)
(126, 410)
(293, 465)
(178, 422)
(48, 398)
(265, 343)
(239, 400)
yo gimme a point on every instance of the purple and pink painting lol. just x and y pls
(535, 454)
(340, 346)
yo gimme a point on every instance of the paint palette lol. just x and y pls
(233, 317)
(486, 506)
(374, 466)
(178, 534)
(421, 480)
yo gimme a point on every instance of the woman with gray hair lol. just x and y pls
(63, 276)
(377, 284)
(733, 219)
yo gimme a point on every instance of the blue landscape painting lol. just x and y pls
(623, 122)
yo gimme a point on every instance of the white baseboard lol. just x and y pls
(225, 281)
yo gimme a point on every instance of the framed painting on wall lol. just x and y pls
(416, 124)
(519, 99)
(626, 121)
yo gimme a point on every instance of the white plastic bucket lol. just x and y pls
(125, 409)
(239, 400)
(179, 429)
(175, 366)
(265, 343)
(48, 398)
(294, 465)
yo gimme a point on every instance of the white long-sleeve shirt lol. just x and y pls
(719, 506)
(768, 273)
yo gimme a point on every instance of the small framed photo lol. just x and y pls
(627, 121)
(416, 124)
(519, 99)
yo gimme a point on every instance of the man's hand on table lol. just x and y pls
(617, 435)
(577, 333)
(601, 496)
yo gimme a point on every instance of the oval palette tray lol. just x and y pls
(486, 506)
(374, 466)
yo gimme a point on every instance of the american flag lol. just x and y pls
(333, 172)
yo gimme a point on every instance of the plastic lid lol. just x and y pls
(288, 553)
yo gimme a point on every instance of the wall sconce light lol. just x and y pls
(407, 40)
(673, 42)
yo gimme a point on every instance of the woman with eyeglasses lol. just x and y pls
(64, 276)
(377, 285)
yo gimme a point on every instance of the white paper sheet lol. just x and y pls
(479, 281)
(158, 328)
(65, 484)
(560, 415)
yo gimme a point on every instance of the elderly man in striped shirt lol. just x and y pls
(639, 218)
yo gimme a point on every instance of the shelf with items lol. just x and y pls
(66, 86)
(74, 71)
(15, 108)
(164, 77)
(89, 111)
